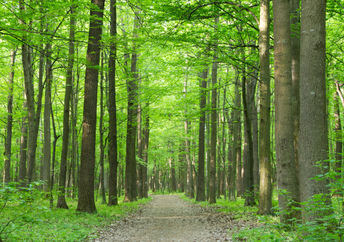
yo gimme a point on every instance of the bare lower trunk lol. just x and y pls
(313, 106)
(8, 143)
(286, 166)
(87, 165)
(265, 187)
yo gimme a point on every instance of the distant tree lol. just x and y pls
(212, 164)
(9, 125)
(200, 195)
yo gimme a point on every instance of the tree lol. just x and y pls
(248, 163)
(87, 164)
(200, 195)
(212, 164)
(9, 125)
(313, 104)
(47, 115)
(112, 147)
(130, 160)
(265, 187)
(61, 202)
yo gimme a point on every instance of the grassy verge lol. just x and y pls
(246, 224)
(27, 217)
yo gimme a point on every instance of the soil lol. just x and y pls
(169, 218)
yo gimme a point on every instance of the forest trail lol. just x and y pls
(169, 218)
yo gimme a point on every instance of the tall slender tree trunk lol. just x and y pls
(75, 142)
(265, 187)
(87, 165)
(212, 164)
(313, 105)
(237, 138)
(189, 182)
(248, 163)
(9, 125)
(132, 86)
(61, 202)
(101, 134)
(47, 129)
(145, 152)
(339, 143)
(112, 149)
(200, 195)
(23, 146)
(140, 144)
(286, 166)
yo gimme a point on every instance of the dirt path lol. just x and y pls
(169, 218)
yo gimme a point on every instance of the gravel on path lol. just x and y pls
(169, 218)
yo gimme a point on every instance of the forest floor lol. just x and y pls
(170, 218)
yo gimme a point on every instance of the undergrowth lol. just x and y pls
(247, 225)
(25, 216)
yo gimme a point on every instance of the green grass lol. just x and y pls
(33, 220)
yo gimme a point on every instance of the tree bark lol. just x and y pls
(101, 134)
(313, 143)
(87, 165)
(47, 115)
(248, 162)
(112, 149)
(265, 187)
(61, 202)
(212, 164)
(237, 139)
(130, 169)
(339, 143)
(284, 129)
(189, 181)
(9, 125)
(145, 151)
(200, 194)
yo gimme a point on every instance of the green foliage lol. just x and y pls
(25, 216)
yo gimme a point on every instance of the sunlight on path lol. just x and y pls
(167, 218)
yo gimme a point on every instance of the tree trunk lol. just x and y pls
(75, 140)
(140, 144)
(130, 169)
(212, 164)
(200, 195)
(237, 137)
(9, 125)
(265, 187)
(112, 149)
(189, 181)
(101, 134)
(47, 129)
(145, 151)
(23, 146)
(313, 105)
(87, 165)
(61, 202)
(339, 142)
(248, 163)
(286, 166)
